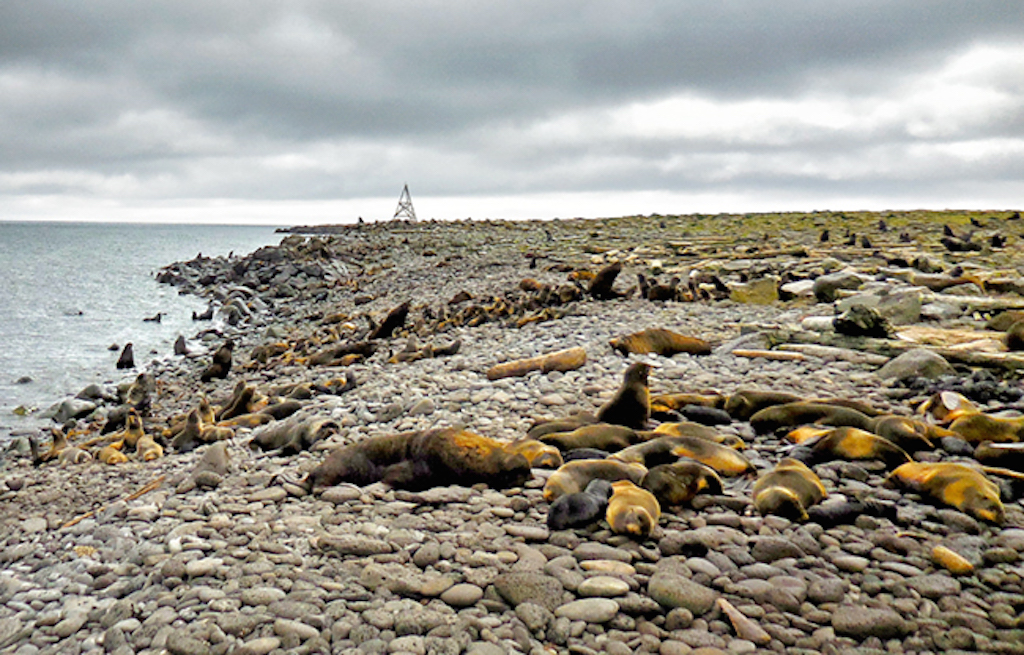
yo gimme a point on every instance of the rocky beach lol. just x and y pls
(225, 549)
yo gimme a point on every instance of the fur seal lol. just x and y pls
(73, 455)
(603, 436)
(956, 485)
(691, 429)
(792, 414)
(975, 428)
(423, 459)
(196, 433)
(580, 509)
(944, 407)
(907, 433)
(127, 357)
(111, 454)
(293, 434)
(673, 402)
(241, 398)
(251, 420)
(852, 444)
(221, 364)
(393, 321)
(745, 403)
(667, 450)
(632, 510)
(584, 453)
(540, 427)
(576, 475)
(1006, 455)
(659, 341)
(132, 429)
(601, 286)
(58, 443)
(631, 404)
(147, 449)
(539, 454)
(677, 484)
(788, 490)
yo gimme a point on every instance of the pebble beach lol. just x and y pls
(222, 550)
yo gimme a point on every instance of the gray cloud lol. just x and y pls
(338, 100)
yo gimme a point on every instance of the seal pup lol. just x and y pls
(850, 444)
(631, 404)
(602, 436)
(745, 403)
(421, 460)
(147, 449)
(133, 430)
(788, 490)
(677, 484)
(632, 510)
(975, 428)
(574, 476)
(538, 453)
(111, 454)
(659, 341)
(580, 509)
(540, 427)
(667, 450)
(671, 402)
(956, 485)
(127, 357)
(293, 434)
(221, 364)
(73, 455)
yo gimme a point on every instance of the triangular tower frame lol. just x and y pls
(405, 209)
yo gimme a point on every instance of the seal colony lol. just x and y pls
(351, 481)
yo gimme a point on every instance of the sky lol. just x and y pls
(292, 112)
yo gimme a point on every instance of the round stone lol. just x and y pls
(603, 586)
(591, 610)
(462, 595)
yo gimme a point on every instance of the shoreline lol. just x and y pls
(253, 564)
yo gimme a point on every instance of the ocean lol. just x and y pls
(70, 291)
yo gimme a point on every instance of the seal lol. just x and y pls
(293, 434)
(788, 490)
(196, 433)
(661, 342)
(132, 429)
(574, 476)
(601, 286)
(602, 436)
(799, 413)
(691, 429)
(851, 444)
(631, 404)
(632, 510)
(74, 455)
(241, 398)
(540, 427)
(580, 509)
(745, 403)
(539, 454)
(957, 485)
(907, 433)
(673, 402)
(127, 357)
(221, 364)
(944, 407)
(1007, 455)
(668, 450)
(58, 442)
(584, 453)
(147, 449)
(677, 484)
(976, 428)
(111, 454)
(421, 460)
(393, 321)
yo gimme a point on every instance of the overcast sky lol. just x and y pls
(296, 112)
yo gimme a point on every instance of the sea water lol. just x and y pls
(71, 292)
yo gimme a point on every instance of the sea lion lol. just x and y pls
(792, 414)
(601, 285)
(580, 509)
(975, 428)
(540, 427)
(147, 449)
(421, 460)
(851, 444)
(956, 485)
(576, 475)
(394, 320)
(944, 407)
(631, 404)
(667, 450)
(745, 403)
(676, 484)
(111, 454)
(539, 454)
(58, 442)
(127, 357)
(603, 436)
(1006, 455)
(659, 341)
(671, 402)
(221, 363)
(73, 455)
(293, 434)
(632, 510)
(788, 490)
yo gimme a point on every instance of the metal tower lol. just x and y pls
(405, 209)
